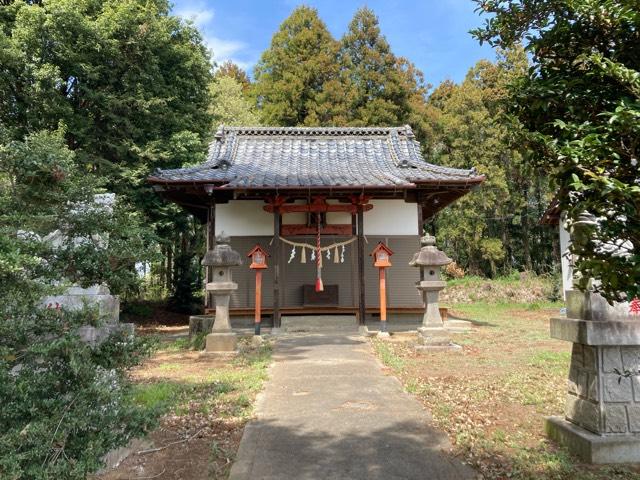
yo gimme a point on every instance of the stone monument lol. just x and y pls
(222, 340)
(98, 297)
(601, 423)
(432, 335)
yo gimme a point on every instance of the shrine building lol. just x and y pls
(300, 191)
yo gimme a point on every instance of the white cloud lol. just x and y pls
(223, 49)
(197, 12)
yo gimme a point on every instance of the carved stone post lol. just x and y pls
(601, 422)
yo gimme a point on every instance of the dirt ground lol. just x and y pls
(207, 404)
(492, 397)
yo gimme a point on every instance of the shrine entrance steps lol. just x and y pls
(319, 324)
(329, 411)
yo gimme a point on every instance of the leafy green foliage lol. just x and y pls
(297, 78)
(229, 106)
(129, 82)
(230, 69)
(64, 403)
(580, 104)
(380, 85)
(495, 226)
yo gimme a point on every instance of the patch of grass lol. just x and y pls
(225, 390)
(169, 367)
(156, 396)
(186, 343)
(388, 356)
(554, 361)
(177, 345)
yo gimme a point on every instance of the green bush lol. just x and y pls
(64, 403)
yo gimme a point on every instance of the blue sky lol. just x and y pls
(433, 34)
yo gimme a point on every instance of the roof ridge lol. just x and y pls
(293, 131)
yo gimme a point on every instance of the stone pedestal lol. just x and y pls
(431, 291)
(433, 335)
(602, 411)
(107, 307)
(222, 340)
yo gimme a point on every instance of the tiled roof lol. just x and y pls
(258, 157)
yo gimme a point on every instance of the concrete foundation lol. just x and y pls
(592, 448)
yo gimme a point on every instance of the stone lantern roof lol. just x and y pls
(222, 255)
(429, 255)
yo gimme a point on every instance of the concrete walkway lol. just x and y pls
(329, 412)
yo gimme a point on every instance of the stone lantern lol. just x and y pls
(222, 340)
(430, 260)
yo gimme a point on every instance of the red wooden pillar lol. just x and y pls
(277, 219)
(211, 242)
(361, 291)
(420, 234)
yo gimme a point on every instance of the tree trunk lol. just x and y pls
(169, 277)
(526, 245)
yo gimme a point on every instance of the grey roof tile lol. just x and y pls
(254, 157)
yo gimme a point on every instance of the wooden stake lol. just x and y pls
(258, 301)
(383, 301)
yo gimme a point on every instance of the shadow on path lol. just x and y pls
(330, 412)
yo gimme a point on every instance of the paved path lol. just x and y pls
(329, 412)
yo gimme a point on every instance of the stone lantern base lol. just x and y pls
(223, 344)
(602, 411)
(434, 339)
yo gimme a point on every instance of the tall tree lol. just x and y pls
(467, 136)
(230, 69)
(380, 85)
(297, 78)
(229, 106)
(581, 104)
(129, 81)
(497, 225)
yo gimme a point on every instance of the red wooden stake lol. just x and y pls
(382, 259)
(258, 300)
(258, 263)
(383, 296)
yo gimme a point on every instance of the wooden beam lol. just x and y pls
(211, 241)
(317, 205)
(420, 234)
(297, 229)
(361, 292)
(211, 226)
(275, 254)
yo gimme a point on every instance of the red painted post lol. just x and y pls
(258, 263)
(258, 301)
(383, 299)
(382, 259)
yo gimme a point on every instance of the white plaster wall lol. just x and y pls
(242, 218)
(247, 217)
(391, 217)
